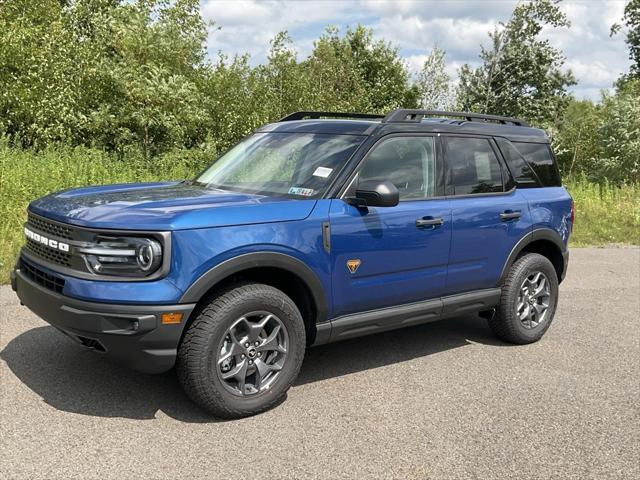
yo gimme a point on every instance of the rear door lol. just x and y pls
(489, 214)
(389, 256)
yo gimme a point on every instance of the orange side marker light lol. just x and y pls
(171, 318)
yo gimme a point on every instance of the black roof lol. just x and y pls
(408, 121)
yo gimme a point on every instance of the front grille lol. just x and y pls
(33, 273)
(49, 254)
(52, 228)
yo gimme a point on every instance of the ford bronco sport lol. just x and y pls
(317, 228)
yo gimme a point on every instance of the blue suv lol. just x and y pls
(319, 227)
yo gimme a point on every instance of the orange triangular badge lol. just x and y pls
(353, 265)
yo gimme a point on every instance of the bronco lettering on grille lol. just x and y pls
(49, 242)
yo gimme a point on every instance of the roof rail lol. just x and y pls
(315, 115)
(410, 115)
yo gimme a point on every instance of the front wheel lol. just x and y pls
(243, 351)
(528, 301)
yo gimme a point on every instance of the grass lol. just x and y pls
(605, 214)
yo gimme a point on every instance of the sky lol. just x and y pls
(416, 26)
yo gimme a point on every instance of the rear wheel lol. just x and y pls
(528, 301)
(243, 351)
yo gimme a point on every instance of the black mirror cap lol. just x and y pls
(376, 193)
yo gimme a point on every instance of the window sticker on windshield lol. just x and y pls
(323, 172)
(305, 192)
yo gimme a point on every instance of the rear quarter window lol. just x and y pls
(523, 174)
(540, 159)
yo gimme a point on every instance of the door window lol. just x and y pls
(472, 166)
(408, 162)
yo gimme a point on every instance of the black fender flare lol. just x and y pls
(537, 234)
(255, 260)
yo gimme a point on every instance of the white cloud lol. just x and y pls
(247, 26)
(458, 26)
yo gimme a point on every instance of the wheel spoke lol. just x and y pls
(233, 331)
(256, 328)
(540, 308)
(240, 370)
(242, 376)
(536, 279)
(262, 370)
(271, 342)
(233, 351)
(542, 288)
(526, 312)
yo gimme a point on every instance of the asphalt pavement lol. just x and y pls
(443, 400)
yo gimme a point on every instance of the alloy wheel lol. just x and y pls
(534, 298)
(252, 353)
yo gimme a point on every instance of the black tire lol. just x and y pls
(197, 364)
(505, 324)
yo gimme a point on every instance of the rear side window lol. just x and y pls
(472, 166)
(538, 156)
(522, 173)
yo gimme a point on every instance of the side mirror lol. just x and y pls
(375, 193)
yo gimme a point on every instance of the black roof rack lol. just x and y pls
(416, 116)
(316, 115)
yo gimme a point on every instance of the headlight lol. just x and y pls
(123, 256)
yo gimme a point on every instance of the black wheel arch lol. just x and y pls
(254, 262)
(544, 241)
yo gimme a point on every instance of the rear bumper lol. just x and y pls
(129, 334)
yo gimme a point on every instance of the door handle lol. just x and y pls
(510, 215)
(429, 222)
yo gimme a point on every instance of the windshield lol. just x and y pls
(299, 165)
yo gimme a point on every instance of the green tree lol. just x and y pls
(520, 74)
(103, 72)
(620, 134)
(152, 56)
(576, 139)
(333, 77)
(359, 72)
(39, 74)
(383, 72)
(434, 82)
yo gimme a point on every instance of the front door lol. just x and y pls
(390, 256)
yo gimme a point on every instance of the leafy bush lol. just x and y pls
(602, 141)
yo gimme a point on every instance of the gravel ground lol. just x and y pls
(443, 400)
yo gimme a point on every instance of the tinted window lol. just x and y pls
(408, 162)
(472, 166)
(524, 176)
(539, 158)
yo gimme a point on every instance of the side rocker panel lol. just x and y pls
(390, 318)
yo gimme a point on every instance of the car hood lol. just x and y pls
(165, 206)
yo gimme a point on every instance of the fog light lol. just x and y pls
(171, 318)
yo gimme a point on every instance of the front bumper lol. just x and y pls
(129, 334)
